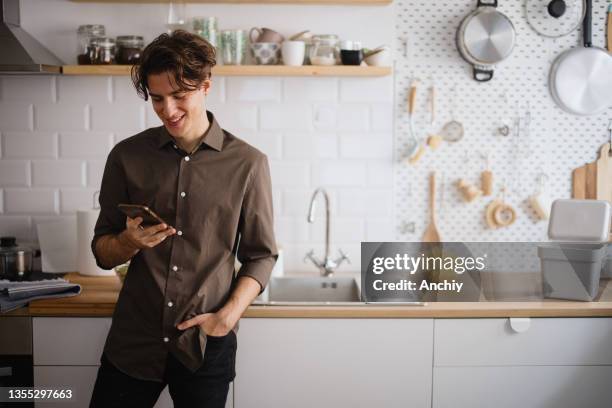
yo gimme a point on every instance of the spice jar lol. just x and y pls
(324, 50)
(84, 35)
(129, 48)
(103, 50)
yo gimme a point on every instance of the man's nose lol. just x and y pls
(169, 107)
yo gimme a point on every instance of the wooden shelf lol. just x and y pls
(245, 70)
(296, 2)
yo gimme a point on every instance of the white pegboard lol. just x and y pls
(558, 142)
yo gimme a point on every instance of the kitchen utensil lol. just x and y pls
(604, 174)
(579, 78)
(265, 35)
(540, 201)
(579, 220)
(468, 191)
(15, 260)
(485, 38)
(498, 213)
(434, 141)
(293, 52)
(452, 131)
(266, 53)
(302, 35)
(233, 47)
(486, 178)
(413, 141)
(554, 18)
(584, 181)
(417, 156)
(431, 233)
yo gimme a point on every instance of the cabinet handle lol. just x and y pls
(520, 324)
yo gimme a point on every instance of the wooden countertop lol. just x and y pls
(100, 294)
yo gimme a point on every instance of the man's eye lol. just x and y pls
(156, 99)
(179, 96)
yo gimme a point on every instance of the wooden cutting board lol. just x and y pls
(594, 180)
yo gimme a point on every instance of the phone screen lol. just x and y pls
(148, 216)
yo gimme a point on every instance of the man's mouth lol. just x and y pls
(175, 122)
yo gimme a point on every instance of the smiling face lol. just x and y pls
(183, 113)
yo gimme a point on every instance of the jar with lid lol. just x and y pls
(324, 50)
(103, 50)
(84, 35)
(129, 48)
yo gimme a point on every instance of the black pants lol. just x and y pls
(206, 388)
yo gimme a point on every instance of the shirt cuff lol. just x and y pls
(259, 269)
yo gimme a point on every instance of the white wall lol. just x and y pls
(56, 131)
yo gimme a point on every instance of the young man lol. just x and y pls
(177, 313)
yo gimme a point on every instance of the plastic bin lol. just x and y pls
(606, 266)
(571, 271)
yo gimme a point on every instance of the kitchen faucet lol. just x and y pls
(328, 265)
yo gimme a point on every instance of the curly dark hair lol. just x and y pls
(188, 57)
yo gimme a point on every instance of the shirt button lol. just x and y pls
(170, 304)
(175, 268)
(183, 194)
(179, 233)
(166, 339)
(175, 146)
(186, 158)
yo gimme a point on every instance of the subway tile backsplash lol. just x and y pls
(56, 131)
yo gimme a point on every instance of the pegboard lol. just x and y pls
(556, 141)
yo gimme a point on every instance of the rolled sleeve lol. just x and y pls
(113, 191)
(257, 250)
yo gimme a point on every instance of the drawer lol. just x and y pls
(69, 341)
(512, 387)
(546, 341)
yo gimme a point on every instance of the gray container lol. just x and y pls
(606, 266)
(579, 220)
(571, 270)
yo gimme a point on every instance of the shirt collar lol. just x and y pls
(213, 137)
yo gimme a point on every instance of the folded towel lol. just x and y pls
(14, 295)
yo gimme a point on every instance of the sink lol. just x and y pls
(313, 289)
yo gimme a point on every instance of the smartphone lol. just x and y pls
(148, 215)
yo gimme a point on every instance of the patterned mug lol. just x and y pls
(266, 53)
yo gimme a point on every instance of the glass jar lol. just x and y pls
(129, 48)
(324, 50)
(103, 50)
(84, 35)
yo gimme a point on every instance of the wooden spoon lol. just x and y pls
(431, 233)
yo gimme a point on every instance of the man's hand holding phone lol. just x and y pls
(136, 237)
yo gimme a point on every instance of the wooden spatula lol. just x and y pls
(431, 233)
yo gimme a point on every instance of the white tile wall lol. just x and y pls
(56, 131)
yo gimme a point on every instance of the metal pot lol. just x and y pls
(485, 37)
(580, 78)
(15, 261)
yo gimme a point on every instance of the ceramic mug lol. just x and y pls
(293, 52)
(265, 35)
(266, 53)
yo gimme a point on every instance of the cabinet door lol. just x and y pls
(69, 340)
(334, 363)
(547, 341)
(512, 387)
(78, 379)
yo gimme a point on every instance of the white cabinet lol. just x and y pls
(523, 386)
(555, 362)
(334, 363)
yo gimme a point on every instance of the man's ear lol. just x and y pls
(206, 85)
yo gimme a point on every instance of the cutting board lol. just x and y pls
(594, 180)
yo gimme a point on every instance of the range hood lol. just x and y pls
(20, 53)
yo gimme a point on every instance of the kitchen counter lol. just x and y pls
(100, 294)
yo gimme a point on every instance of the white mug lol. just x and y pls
(293, 52)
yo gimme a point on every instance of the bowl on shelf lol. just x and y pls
(378, 57)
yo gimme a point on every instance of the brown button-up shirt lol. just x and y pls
(219, 200)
